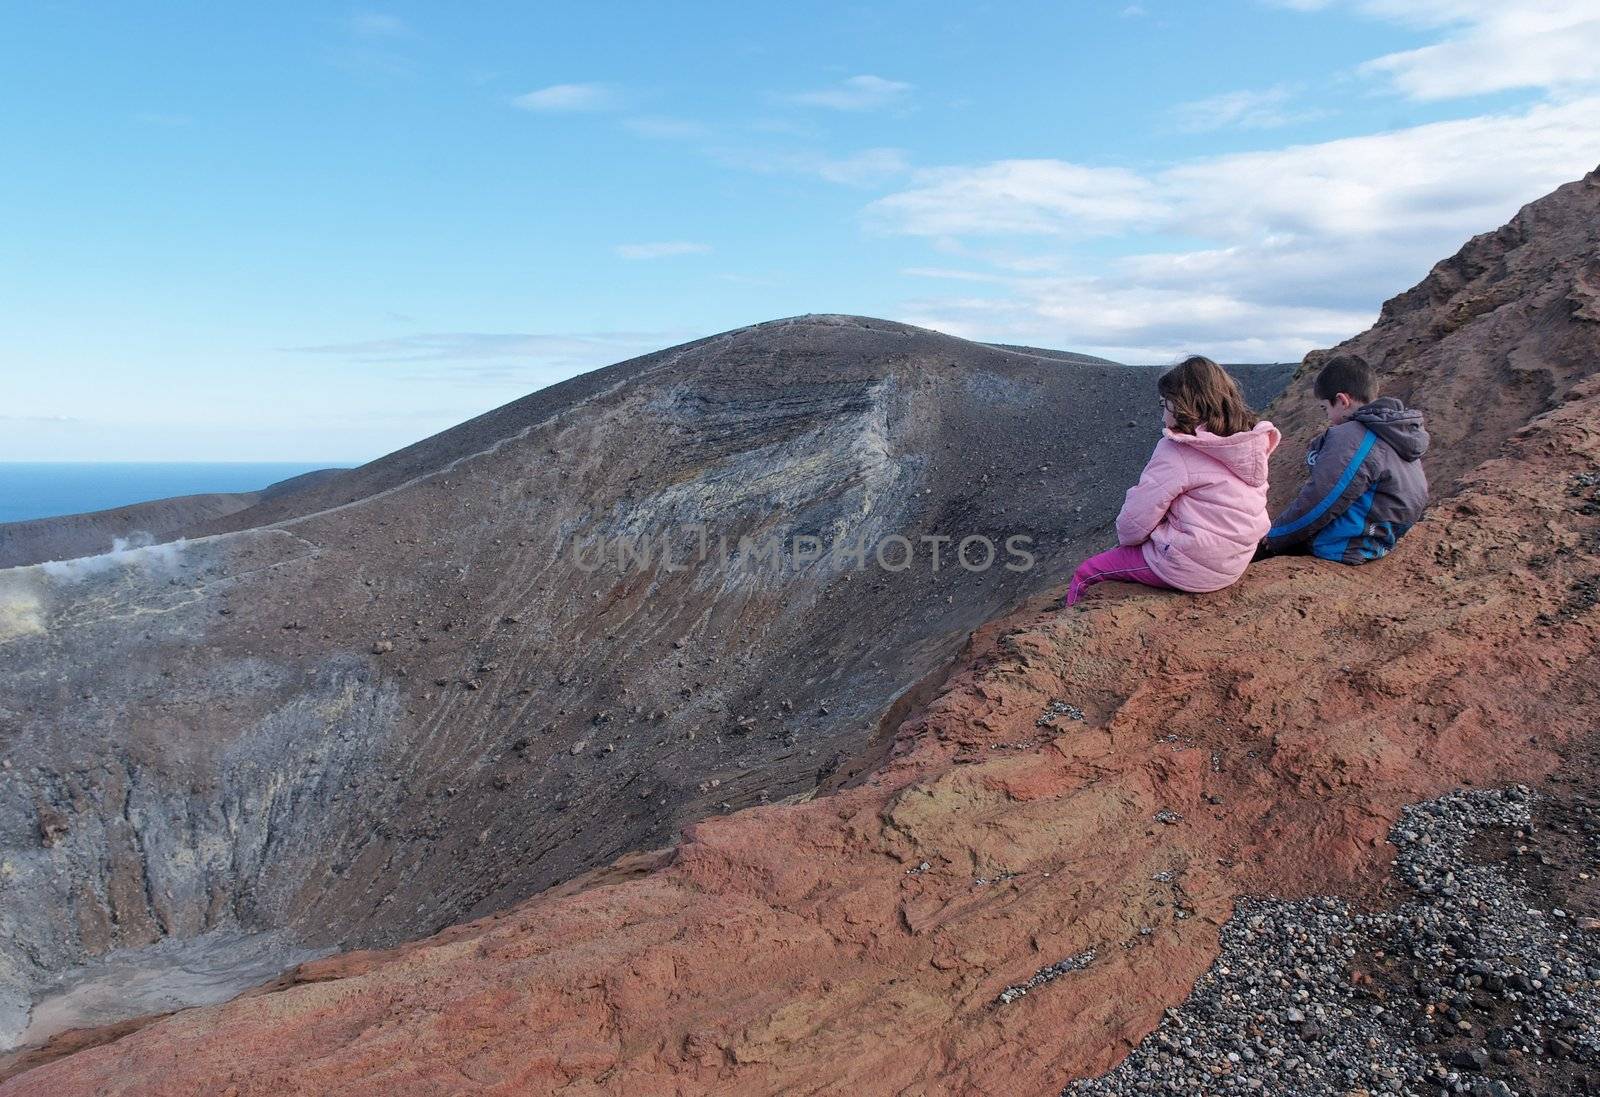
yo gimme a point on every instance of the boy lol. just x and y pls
(1366, 486)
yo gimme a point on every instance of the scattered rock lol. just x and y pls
(1045, 975)
(52, 826)
(1058, 708)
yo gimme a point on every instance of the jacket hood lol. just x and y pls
(1394, 423)
(1244, 454)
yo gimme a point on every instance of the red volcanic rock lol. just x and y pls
(1259, 740)
(1493, 336)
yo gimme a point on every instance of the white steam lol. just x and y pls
(137, 550)
(24, 591)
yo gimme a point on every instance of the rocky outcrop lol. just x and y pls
(1040, 865)
(1493, 336)
(378, 703)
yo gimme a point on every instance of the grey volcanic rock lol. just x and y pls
(380, 702)
(1312, 998)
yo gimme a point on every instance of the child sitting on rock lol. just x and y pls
(1195, 517)
(1366, 486)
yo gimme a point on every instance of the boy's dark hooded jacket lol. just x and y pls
(1365, 490)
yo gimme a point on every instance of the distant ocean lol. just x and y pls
(46, 489)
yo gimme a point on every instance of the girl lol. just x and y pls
(1193, 520)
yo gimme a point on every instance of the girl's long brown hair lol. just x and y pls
(1199, 393)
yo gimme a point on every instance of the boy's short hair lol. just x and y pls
(1347, 373)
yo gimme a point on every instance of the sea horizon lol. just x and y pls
(49, 489)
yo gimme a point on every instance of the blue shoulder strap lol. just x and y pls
(1332, 497)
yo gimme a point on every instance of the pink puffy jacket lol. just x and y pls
(1200, 508)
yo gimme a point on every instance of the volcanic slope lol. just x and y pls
(1041, 866)
(382, 701)
(74, 535)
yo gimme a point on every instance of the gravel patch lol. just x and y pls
(1473, 985)
(1045, 975)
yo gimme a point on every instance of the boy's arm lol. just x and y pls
(1340, 475)
(1146, 503)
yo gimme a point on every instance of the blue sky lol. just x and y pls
(304, 231)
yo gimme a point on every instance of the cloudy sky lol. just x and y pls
(296, 231)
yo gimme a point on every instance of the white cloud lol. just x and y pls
(376, 25)
(787, 127)
(666, 129)
(1138, 324)
(858, 93)
(371, 46)
(1296, 247)
(1029, 197)
(1546, 45)
(577, 350)
(1443, 13)
(863, 168)
(1264, 109)
(954, 274)
(570, 98)
(1487, 45)
(860, 168)
(660, 250)
(1455, 177)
